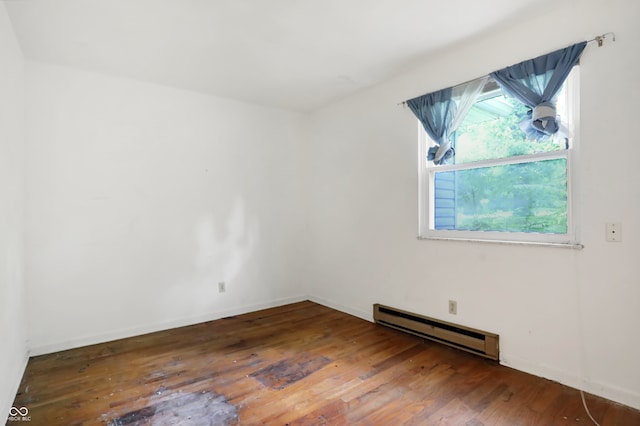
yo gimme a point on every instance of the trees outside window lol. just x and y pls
(503, 183)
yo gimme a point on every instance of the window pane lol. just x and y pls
(524, 197)
(491, 130)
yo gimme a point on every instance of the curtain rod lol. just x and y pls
(597, 39)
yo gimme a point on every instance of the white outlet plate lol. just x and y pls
(453, 307)
(222, 287)
(613, 232)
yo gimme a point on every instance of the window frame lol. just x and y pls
(427, 170)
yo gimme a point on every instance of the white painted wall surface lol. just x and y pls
(571, 316)
(141, 198)
(13, 331)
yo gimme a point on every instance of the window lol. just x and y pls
(501, 184)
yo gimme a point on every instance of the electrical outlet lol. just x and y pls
(613, 232)
(453, 307)
(222, 287)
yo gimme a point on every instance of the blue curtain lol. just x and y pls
(535, 83)
(436, 112)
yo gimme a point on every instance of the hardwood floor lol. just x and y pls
(300, 364)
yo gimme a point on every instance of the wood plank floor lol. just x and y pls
(300, 364)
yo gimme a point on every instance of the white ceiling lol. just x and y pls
(295, 54)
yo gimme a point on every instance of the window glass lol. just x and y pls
(502, 181)
(524, 197)
(492, 130)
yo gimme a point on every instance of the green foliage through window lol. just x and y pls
(522, 196)
(526, 197)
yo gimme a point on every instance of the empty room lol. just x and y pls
(373, 212)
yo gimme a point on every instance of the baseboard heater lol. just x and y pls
(468, 339)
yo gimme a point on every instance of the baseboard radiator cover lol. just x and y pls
(467, 339)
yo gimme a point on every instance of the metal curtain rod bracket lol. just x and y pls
(600, 39)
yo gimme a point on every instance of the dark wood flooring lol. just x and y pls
(300, 364)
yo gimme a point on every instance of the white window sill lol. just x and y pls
(573, 246)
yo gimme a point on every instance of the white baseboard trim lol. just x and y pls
(623, 396)
(151, 328)
(368, 316)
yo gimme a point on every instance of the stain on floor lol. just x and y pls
(204, 408)
(288, 371)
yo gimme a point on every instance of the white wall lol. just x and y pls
(13, 333)
(142, 198)
(568, 315)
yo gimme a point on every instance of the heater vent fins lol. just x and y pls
(458, 336)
